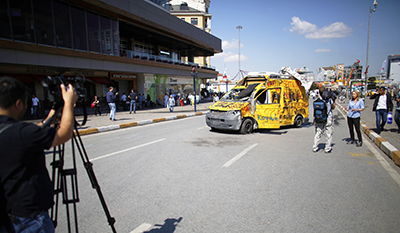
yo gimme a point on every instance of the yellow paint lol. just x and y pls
(277, 101)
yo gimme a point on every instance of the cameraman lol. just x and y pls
(26, 191)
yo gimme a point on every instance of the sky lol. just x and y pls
(303, 33)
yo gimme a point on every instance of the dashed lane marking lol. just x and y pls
(240, 155)
(142, 228)
(128, 149)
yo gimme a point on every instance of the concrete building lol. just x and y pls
(127, 44)
(194, 12)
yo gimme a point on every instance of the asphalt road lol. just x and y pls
(178, 176)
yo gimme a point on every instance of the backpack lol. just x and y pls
(320, 110)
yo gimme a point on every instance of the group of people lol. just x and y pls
(382, 106)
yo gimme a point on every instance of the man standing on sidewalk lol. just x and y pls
(111, 102)
(382, 106)
(397, 113)
(133, 97)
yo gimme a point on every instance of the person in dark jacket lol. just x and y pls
(382, 106)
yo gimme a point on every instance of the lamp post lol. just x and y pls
(239, 27)
(194, 74)
(369, 29)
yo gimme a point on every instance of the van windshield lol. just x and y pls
(239, 94)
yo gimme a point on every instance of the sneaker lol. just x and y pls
(328, 151)
(359, 144)
(315, 149)
(351, 142)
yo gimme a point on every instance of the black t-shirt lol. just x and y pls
(22, 158)
(132, 95)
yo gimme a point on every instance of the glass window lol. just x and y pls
(93, 32)
(106, 35)
(22, 20)
(43, 22)
(63, 25)
(194, 21)
(79, 28)
(5, 31)
(115, 30)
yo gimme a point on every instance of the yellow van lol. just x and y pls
(260, 101)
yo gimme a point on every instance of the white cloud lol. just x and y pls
(234, 44)
(301, 26)
(322, 50)
(335, 30)
(230, 57)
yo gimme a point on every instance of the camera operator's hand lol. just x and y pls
(64, 132)
(69, 96)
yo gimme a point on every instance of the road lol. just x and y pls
(157, 176)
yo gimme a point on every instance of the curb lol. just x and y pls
(387, 148)
(136, 123)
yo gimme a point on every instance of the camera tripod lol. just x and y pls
(65, 180)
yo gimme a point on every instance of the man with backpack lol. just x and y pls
(323, 118)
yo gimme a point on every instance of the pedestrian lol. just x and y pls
(26, 190)
(325, 127)
(397, 113)
(148, 100)
(96, 103)
(171, 103)
(35, 105)
(140, 97)
(123, 101)
(111, 99)
(165, 100)
(382, 106)
(133, 97)
(354, 108)
(216, 98)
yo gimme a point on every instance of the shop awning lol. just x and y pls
(101, 80)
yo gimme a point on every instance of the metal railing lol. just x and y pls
(164, 59)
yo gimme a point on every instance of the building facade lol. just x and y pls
(126, 44)
(194, 12)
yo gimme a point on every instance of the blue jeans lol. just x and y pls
(40, 223)
(397, 118)
(171, 107)
(35, 107)
(381, 115)
(133, 105)
(112, 110)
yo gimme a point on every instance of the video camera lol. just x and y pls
(53, 86)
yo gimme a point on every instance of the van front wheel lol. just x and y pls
(247, 127)
(298, 121)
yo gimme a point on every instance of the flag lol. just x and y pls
(383, 66)
(225, 77)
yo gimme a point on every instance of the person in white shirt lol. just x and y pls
(35, 105)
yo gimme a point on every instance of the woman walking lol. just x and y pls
(96, 106)
(354, 108)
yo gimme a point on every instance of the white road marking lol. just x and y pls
(142, 228)
(202, 127)
(128, 149)
(240, 155)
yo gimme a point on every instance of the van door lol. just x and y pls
(267, 108)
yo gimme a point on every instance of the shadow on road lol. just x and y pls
(169, 226)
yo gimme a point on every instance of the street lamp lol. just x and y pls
(239, 27)
(369, 29)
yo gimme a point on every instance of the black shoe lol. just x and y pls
(359, 144)
(351, 142)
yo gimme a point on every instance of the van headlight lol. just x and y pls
(233, 113)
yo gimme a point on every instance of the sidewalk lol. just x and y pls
(389, 140)
(123, 119)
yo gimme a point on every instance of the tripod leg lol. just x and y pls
(95, 185)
